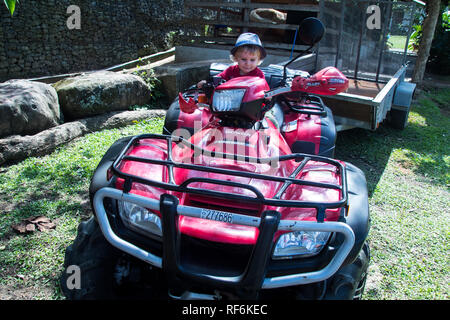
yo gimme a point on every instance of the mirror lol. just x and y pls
(311, 30)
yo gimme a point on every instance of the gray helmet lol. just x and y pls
(249, 39)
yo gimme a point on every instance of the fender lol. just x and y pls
(100, 176)
(358, 208)
(403, 95)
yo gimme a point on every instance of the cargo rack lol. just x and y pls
(260, 199)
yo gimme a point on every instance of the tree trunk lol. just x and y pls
(428, 28)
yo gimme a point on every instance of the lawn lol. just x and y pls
(398, 42)
(408, 179)
(407, 173)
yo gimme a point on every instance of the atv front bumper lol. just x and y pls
(254, 278)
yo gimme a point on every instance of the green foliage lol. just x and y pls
(157, 99)
(439, 60)
(415, 37)
(11, 5)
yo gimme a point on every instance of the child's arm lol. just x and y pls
(226, 75)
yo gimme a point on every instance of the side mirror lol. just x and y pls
(311, 30)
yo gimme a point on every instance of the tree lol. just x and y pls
(428, 28)
(11, 5)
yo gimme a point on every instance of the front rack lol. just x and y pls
(259, 197)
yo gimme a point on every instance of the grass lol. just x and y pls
(408, 179)
(56, 186)
(397, 42)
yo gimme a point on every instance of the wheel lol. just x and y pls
(171, 119)
(96, 260)
(104, 271)
(399, 118)
(349, 282)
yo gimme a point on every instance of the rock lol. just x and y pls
(17, 148)
(177, 77)
(99, 92)
(27, 107)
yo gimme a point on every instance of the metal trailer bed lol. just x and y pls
(366, 104)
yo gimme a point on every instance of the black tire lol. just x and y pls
(96, 260)
(171, 119)
(398, 118)
(349, 282)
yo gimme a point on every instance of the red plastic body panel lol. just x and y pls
(187, 106)
(196, 120)
(217, 138)
(302, 127)
(256, 87)
(328, 81)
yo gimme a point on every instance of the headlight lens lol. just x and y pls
(300, 243)
(140, 219)
(227, 100)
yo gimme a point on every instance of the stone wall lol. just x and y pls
(37, 41)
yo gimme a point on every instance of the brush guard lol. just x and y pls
(254, 277)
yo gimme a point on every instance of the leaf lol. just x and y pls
(30, 224)
(11, 5)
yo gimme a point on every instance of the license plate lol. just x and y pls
(217, 215)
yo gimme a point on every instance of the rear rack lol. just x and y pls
(259, 197)
(310, 105)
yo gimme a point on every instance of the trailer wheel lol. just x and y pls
(399, 118)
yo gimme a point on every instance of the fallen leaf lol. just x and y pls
(30, 227)
(20, 228)
(30, 224)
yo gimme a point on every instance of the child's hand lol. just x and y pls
(201, 84)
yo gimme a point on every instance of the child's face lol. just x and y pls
(247, 60)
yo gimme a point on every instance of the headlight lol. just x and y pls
(300, 243)
(140, 219)
(227, 100)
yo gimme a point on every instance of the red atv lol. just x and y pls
(229, 211)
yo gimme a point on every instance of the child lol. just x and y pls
(248, 52)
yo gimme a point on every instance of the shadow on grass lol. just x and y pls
(422, 147)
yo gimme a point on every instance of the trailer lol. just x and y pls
(366, 104)
(358, 41)
(379, 87)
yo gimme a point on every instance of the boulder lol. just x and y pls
(177, 77)
(16, 148)
(27, 107)
(99, 92)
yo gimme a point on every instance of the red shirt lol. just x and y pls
(234, 72)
